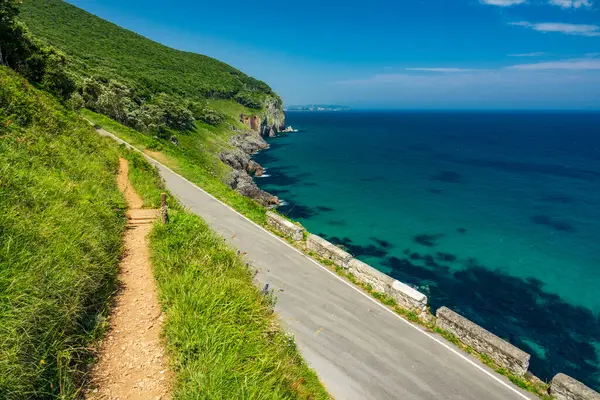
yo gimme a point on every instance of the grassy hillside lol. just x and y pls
(119, 53)
(185, 104)
(61, 221)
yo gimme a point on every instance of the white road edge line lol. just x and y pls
(435, 339)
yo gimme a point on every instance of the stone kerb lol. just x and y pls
(563, 387)
(328, 251)
(482, 341)
(284, 226)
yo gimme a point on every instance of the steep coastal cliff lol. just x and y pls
(247, 142)
(270, 121)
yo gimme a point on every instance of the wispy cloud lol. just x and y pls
(571, 3)
(533, 54)
(503, 3)
(583, 64)
(439, 69)
(568, 29)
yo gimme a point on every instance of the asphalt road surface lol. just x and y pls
(359, 348)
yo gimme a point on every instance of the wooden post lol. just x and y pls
(164, 216)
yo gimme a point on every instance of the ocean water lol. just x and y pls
(493, 214)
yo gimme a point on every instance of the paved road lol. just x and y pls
(359, 349)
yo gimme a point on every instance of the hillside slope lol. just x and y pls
(180, 99)
(61, 222)
(119, 53)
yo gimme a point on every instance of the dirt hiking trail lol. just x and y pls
(132, 362)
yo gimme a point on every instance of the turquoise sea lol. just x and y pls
(493, 214)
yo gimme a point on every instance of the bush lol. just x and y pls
(248, 99)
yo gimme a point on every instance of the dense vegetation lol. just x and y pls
(61, 222)
(133, 80)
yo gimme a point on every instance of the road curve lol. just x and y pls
(360, 349)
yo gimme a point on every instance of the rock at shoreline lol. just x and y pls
(255, 168)
(248, 142)
(243, 184)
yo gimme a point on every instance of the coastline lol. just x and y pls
(438, 179)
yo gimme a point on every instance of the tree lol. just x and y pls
(8, 11)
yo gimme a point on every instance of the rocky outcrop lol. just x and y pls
(242, 182)
(236, 159)
(270, 122)
(273, 120)
(245, 144)
(248, 142)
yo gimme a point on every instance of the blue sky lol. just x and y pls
(390, 54)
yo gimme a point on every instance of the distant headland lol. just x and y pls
(317, 108)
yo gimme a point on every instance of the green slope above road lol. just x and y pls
(99, 47)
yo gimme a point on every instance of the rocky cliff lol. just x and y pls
(270, 121)
(245, 144)
(267, 123)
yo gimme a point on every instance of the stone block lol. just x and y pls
(364, 273)
(563, 387)
(407, 297)
(284, 226)
(503, 353)
(328, 251)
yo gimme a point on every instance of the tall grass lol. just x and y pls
(222, 336)
(61, 220)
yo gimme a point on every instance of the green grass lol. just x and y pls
(195, 165)
(222, 337)
(61, 223)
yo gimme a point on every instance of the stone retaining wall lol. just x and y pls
(503, 353)
(405, 296)
(564, 387)
(284, 226)
(328, 251)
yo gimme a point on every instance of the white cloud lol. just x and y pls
(568, 29)
(582, 64)
(504, 3)
(533, 54)
(439, 69)
(571, 3)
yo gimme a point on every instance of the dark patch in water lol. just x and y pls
(281, 177)
(297, 211)
(514, 309)
(462, 231)
(435, 191)
(415, 256)
(427, 240)
(357, 249)
(382, 243)
(324, 209)
(562, 171)
(445, 256)
(552, 223)
(448, 177)
(406, 252)
(337, 222)
(557, 198)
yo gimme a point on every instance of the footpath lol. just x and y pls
(132, 362)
